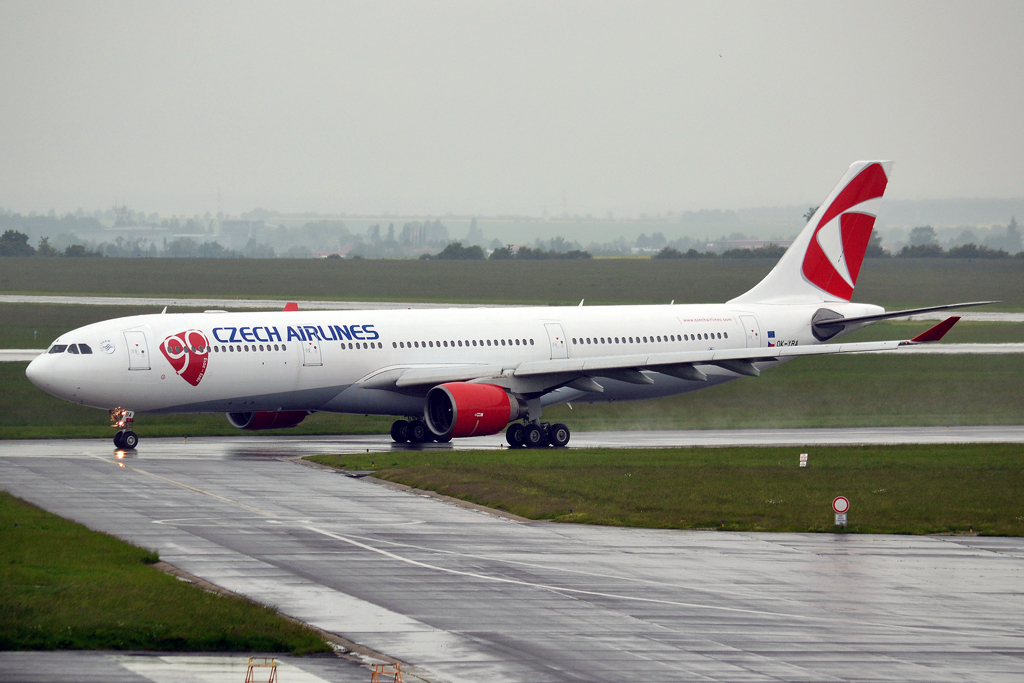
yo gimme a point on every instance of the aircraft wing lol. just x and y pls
(628, 367)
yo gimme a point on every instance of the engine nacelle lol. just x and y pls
(267, 420)
(461, 409)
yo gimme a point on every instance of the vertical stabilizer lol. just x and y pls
(824, 261)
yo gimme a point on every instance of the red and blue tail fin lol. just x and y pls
(824, 261)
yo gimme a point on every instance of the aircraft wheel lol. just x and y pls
(514, 435)
(418, 432)
(558, 435)
(533, 437)
(119, 440)
(130, 440)
(400, 431)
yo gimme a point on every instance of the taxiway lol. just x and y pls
(465, 595)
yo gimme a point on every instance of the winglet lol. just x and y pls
(938, 332)
(291, 306)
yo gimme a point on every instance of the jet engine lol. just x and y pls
(461, 409)
(267, 420)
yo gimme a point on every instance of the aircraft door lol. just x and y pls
(138, 350)
(311, 355)
(752, 330)
(556, 338)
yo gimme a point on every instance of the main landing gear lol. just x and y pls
(533, 435)
(122, 420)
(414, 431)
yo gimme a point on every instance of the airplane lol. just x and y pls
(452, 373)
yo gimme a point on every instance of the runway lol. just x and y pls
(244, 446)
(469, 596)
(213, 302)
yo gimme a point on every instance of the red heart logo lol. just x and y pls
(188, 353)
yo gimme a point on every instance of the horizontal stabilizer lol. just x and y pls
(827, 324)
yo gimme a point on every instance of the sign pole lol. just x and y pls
(841, 505)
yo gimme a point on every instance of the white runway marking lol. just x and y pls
(211, 302)
(181, 302)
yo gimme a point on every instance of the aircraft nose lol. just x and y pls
(37, 373)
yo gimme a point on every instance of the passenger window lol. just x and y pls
(283, 347)
(726, 334)
(645, 340)
(517, 342)
(531, 342)
(502, 342)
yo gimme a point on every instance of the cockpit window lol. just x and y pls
(73, 348)
(58, 348)
(84, 348)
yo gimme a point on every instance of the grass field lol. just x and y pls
(892, 489)
(63, 586)
(888, 282)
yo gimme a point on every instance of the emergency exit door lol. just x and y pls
(138, 350)
(752, 331)
(311, 353)
(556, 338)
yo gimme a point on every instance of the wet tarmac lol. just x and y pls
(243, 446)
(466, 595)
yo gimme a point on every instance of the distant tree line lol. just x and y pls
(924, 244)
(14, 243)
(767, 251)
(456, 252)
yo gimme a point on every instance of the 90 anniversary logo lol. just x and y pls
(188, 353)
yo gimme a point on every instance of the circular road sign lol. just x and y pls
(841, 505)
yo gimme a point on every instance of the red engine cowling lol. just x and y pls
(461, 409)
(267, 420)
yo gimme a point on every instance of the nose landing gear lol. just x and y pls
(122, 420)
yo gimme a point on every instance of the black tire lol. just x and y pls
(130, 440)
(558, 435)
(418, 432)
(533, 436)
(400, 431)
(514, 435)
(119, 440)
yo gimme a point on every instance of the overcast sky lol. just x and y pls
(485, 107)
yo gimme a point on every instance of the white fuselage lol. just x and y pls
(306, 360)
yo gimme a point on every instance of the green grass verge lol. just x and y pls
(892, 489)
(889, 282)
(845, 391)
(63, 586)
